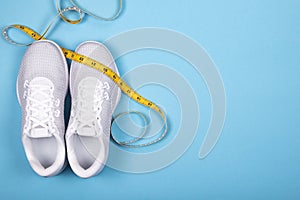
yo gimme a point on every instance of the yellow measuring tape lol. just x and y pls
(102, 68)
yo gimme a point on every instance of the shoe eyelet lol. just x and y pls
(106, 86)
(57, 102)
(57, 113)
(26, 83)
(24, 94)
(106, 96)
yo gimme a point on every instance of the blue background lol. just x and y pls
(256, 47)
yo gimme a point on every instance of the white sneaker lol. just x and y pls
(41, 88)
(94, 99)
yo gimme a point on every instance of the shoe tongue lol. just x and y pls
(87, 131)
(39, 133)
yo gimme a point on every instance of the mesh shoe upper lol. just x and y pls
(41, 88)
(94, 99)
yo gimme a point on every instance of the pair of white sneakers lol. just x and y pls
(41, 88)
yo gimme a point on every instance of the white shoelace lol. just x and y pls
(40, 108)
(89, 106)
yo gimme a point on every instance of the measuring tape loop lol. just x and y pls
(135, 139)
(115, 16)
(71, 8)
